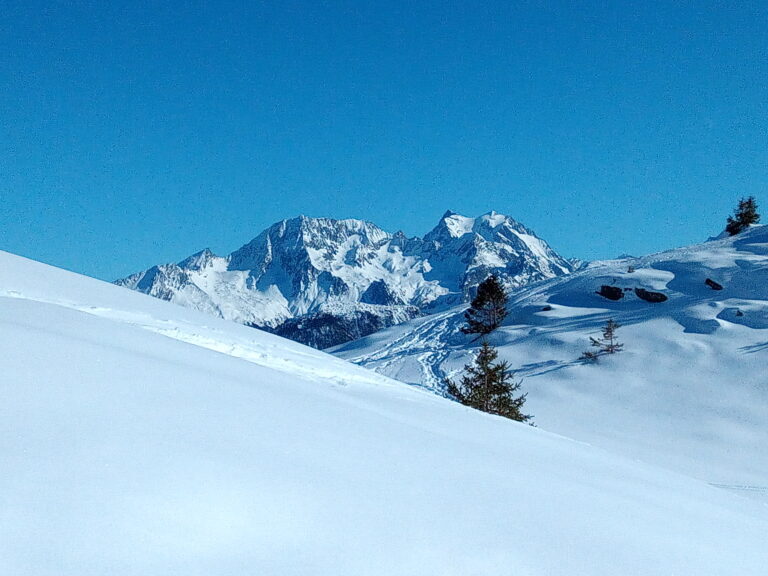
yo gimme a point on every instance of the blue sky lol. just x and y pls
(135, 133)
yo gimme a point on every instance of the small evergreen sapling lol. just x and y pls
(489, 386)
(608, 344)
(744, 216)
(488, 308)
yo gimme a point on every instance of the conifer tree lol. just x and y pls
(489, 386)
(608, 344)
(744, 215)
(488, 308)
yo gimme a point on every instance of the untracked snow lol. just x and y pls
(138, 437)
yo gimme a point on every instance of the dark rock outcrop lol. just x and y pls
(611, 292)
(380, 294)
(325, 330)
(712, 284)
(649, 296)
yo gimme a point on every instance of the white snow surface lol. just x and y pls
(689, 392)
(138, 437)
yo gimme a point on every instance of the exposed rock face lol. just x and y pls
(325, 330)
(327, 280)
(379, 293)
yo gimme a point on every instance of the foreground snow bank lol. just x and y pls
(141, 438)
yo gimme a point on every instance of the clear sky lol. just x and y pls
(134, 133)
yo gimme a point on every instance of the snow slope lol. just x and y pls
(689, 391)
(138, 437)
(323, 281)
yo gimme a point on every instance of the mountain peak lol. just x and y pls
(199, 260)
(451, 225)
(353, 271)
(494, 219)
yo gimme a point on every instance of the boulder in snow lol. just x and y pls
(712, 284)
(611, 292)
(649, 296)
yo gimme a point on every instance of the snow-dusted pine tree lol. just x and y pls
(488, 308)
(744, 215)
(489, 386)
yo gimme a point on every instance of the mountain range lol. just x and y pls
(324, 282)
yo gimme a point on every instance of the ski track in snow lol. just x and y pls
(251, 351)
(742, 488)
(430, 352)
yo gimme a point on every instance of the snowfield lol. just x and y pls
(690, 390)
(139, 437)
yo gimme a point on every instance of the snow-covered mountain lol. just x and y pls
(322, 281)
(690, 389)
(139, 437)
